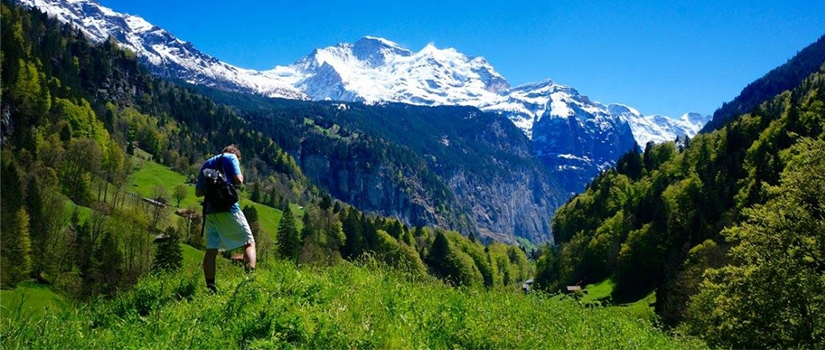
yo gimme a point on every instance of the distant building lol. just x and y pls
(154, 202)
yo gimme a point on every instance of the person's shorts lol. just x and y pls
(227, 231)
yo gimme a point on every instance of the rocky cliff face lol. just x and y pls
(377, 188)
(496, 208)
(500, 206)
(482, 178)
(570, 146)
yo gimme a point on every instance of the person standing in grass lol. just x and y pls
(224, 230)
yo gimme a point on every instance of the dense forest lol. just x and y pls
(727, 228)
(78, 120)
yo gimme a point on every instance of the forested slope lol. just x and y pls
(726, 227)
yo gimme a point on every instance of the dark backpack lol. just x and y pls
(220, 192)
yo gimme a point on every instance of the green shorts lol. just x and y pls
(227, 231)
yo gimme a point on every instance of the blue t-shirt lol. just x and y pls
(231, 166)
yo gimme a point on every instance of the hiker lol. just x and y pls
(224, 230)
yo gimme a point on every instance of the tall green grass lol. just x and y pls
(339, 307)
(30, 299)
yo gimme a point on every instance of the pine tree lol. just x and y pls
(16, 258)
(438, 254)
(256, 195)
(15, 244)
(354, 242)
(395, 229)
(169, 255)
(326, 202)
(250, 213)
(289, 241)
(309, 230)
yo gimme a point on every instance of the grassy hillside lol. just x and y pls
(600, 294)
(30, 301)
(333, 308)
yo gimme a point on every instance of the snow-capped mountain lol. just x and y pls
(162, 52)
(659, 128)
(569, 131)
(376, 69)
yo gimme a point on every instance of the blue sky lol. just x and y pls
(661, 57)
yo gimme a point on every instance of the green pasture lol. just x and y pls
(600, 294)
(339, 307)
(29, 300)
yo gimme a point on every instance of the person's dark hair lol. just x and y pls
(232, 149)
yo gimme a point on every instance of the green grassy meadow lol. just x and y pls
(599, 294)
(338, 307)
(30, 300)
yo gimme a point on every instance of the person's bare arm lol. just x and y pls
(238, 180)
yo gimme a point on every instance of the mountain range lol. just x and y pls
(375, 70)
(370, 70)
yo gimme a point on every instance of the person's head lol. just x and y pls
(232, 149)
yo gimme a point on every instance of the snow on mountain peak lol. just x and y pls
(658, 128)
(164, 53)
(377, 51)
(376, 69)
(620, 109)
(372, 69)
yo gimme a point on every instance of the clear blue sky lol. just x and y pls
(661, 57)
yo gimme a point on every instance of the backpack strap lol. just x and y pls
(223, 170)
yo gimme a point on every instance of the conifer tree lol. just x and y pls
(354, 242)
(289, 240)
(256, 195)
(169, 255)
(16, 258)
(15, 244)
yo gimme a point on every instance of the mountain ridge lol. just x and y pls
(346, 72)
(376, 70)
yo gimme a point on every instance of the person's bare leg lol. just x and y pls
(250, 255)
(209, 268)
